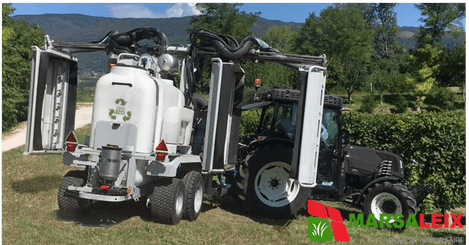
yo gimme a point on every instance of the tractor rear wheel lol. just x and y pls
(263, 184)
(389, 198)
(69, 202)
(168, 201)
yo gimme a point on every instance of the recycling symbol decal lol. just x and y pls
(120, 110)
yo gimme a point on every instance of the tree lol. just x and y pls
(224, 18)
(17, 39)
(438, 19)
(341, 33)
(386, 30)
(281, 38)
(425, 62)
(452, 70)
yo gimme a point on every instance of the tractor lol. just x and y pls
(373, 180)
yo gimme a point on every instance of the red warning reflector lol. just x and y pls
(111, 64)
(161, 151)
(104, 187)
(71, 138)
(71, 141)
(257, 81)
(162, 146)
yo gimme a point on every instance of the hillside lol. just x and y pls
(77, 27)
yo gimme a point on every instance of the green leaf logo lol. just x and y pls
(319, 229)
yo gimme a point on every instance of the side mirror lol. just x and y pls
(348, 116)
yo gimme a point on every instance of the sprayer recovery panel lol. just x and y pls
(146, 134)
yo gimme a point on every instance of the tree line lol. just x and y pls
(359, 40)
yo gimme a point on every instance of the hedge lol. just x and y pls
(437, 141)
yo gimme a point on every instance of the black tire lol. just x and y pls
(168, 201)
(69, 202)
(194, 184)
(389, 198)
(269, 159)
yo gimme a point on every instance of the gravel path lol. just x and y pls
(18, 138)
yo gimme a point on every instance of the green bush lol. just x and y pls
(249, 121)
(17, 39)
(368, 103)
(401, 104)
(440, 97)
(437, 141)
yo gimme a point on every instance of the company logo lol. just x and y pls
(384, 220)
(320, 228)
(120, 110)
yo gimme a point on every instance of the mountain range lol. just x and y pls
(84, 28)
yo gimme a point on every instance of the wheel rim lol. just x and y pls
(385, 203)
(179, 202)
(198, 197)
(273, 185)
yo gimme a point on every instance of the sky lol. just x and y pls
(407, 14)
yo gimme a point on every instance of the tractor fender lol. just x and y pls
(378, 180)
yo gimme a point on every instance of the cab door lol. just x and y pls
(308, 128)
(52, 101)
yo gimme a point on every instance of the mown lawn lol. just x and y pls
(30, 216)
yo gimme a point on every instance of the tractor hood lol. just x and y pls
(364, 161)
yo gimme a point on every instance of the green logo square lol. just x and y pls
(319, 229)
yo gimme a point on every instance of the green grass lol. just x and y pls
(30, 216)
(85, 94)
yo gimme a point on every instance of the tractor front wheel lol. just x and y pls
(389, 198)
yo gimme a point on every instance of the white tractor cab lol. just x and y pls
(149, 138)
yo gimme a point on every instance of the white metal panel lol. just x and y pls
(212, 116)
(51, 108)
(310, 140)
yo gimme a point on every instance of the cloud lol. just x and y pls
(141, 11)
(182, 9)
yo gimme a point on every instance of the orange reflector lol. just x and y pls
(104, 187)
(162, 146)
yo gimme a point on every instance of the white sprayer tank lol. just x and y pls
(126, 95)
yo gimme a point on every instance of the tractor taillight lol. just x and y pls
(160, 156)
(161, 151)
(71, 142)
(71, 147)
